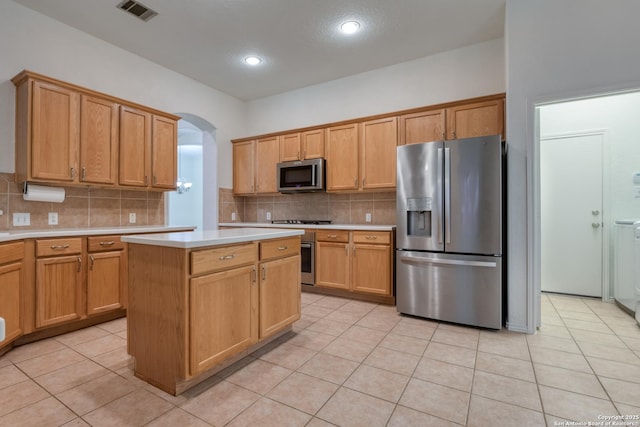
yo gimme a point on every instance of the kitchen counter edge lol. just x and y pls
(356, 227)
(199, 239)
(69, 232)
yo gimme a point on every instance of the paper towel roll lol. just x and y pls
(41, 193)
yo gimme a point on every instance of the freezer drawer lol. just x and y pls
(464, 289)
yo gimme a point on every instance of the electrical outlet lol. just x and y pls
(21, 219)
(268, 216)
(1, 212)
(132, 218)
(233, 216)
(367, 217)
(53, 218)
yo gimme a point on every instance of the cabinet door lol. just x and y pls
(164, 153)
(332, 265)
(58, 290)
(313, 144)
(55, 132)
(279, 294)
(98, 141)
(135, 143)
(420, 127)
(11, 300)
(371, 266)
(267, 155)
(243, 167)
(105, 282)
(378, 141)
(479, 119)
(290, 147)
(342, 157)
(223, 316)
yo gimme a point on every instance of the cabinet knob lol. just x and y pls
(79, 264)
(227, 257)
(60, 247)
(92, 259)
(283, 248)
(109, 243)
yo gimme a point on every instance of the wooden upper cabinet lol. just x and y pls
(476, 119)
(267, 155)
(290, 147)
(419, 127)
(54, 126)
(98, 140)
(312, 143)
(244, 167)
(135, 144)
(378, 141)
(164, 153)
(342, 157)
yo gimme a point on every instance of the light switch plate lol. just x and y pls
(21, 219)
(53, 218)
(132, 218)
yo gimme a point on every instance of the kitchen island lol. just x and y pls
(199, 301)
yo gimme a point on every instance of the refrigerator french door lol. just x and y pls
(449, 240)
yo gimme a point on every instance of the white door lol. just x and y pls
(571, 214)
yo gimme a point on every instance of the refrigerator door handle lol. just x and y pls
(439, 197)
(411, 259)
(447, 195)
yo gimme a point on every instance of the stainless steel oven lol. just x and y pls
(308, 258)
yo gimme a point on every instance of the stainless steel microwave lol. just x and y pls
(301, 176)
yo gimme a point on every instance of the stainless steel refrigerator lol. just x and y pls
(449, 240)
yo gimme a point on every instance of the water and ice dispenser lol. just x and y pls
(418, 211)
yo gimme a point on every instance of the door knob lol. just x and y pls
(595, 224)
(595, 213)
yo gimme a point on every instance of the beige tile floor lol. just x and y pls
(349, 363)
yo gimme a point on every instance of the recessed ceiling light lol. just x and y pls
(350, 27)
(252, 60)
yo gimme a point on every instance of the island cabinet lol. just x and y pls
(194, 311)
(358, 262)
(69, 135)
(11, 289)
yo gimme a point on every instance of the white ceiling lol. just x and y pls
(298, 39)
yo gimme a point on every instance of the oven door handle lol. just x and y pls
(305, 245)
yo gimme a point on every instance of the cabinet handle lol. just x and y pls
(304, 155)
(346, 250)
(283, 248)
(92, 261)
(354, 250)
(226, 257)
(298, 155)
(73, 172)
(453, 135)
(253, 274)
(264, 273)
(363, 182)
(84, 173)
(56, 247)
(109, 243)
(332, 236)
(79, 264)
(371, 237)
(355, 182)
(155, 180)
(146, 180)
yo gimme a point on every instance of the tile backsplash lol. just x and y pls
(339, 208)
(83, 207)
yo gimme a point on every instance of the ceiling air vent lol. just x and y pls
(137, 9)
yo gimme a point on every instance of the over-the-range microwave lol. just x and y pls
(301, 176)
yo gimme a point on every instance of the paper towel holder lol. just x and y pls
(43, 193)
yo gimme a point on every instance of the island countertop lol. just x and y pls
(203, 238)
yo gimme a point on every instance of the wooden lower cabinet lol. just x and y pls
(58, 290)
(105, 281)
(279, 294)
(11, 300)
(363, 264)
(222, 315)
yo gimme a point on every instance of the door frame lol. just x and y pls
(537, 220)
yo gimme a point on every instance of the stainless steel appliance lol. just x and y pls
(301, 176)
(449, 241)
(307, 249)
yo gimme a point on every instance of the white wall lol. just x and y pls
(458, 74)
(29, 40)
(555, 50)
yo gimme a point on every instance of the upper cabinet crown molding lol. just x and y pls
(70, 135)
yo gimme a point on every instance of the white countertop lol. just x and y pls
(60, 232)
(198, 239)
(312, 226)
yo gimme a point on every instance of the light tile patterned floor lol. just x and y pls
(349, 363)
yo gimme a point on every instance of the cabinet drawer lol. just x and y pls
(279, 248)
(372, 237)
(104, 243)
(11, 252)
(49, 247)
(332, 235)
(209, 260)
